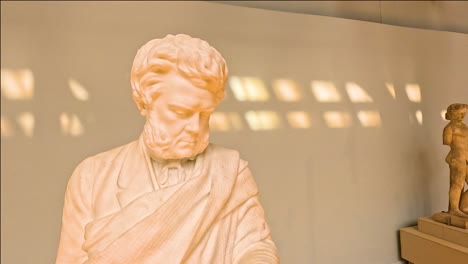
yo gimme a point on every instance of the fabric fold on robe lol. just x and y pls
(214, 217)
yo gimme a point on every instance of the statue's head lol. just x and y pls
(177, 82)
(456, 112)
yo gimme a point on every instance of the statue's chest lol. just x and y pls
(461, 131)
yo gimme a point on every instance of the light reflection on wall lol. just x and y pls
(369, 118)
(287, 90)
(6, 128)
(419, 117)
(248, 89)
(391, 89)
(336, 119)
(357, 94)
(78, 91)
(262, 120)
(221, 121)
(236, 121)
(71, 125)
(17, 85)
(442, 114)
(325, 91)
(26, 122)
(413, 91)
(299, 119)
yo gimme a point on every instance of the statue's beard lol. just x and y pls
(162, 145)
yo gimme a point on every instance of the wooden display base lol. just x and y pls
(448, 233)
(434, 243)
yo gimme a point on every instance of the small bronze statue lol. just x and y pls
(455, 135)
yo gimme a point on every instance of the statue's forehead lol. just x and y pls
(184, 93)
(199, 98)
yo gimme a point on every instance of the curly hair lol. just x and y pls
(451, 109)
(192, 58)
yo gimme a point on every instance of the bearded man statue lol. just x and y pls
(170, 196)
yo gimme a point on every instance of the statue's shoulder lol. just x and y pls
(220, 150)
(112, 154)
(231, 154)
(448, 126)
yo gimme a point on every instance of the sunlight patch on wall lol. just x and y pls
(325, 91)
(357, 94)
(222, 121)
(78, 90)
(64, 123)
(248, 89)
(71, 125)
(236, 121)
(219, 122)
(262, 120)
(336, 119)
(369, 118)
(413, 91)
(287, 90)
(299, 119)
(6, 128)
(26, 122)
(17, 85)
(419, 117)
(391, 89)
(442, 114)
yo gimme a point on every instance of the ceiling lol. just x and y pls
(435, 15)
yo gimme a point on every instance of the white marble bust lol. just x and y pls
(170, 196)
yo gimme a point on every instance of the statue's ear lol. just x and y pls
(141, 102)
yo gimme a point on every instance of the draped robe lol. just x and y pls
(114, 212)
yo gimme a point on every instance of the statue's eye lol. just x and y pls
(182, 113)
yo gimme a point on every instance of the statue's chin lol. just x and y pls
(189, 153)
(176, 152)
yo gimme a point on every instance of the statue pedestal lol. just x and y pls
(431, 242)
(446, 218)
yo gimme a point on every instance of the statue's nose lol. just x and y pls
(193, 125)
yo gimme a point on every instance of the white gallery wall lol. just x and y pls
(331, 194)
